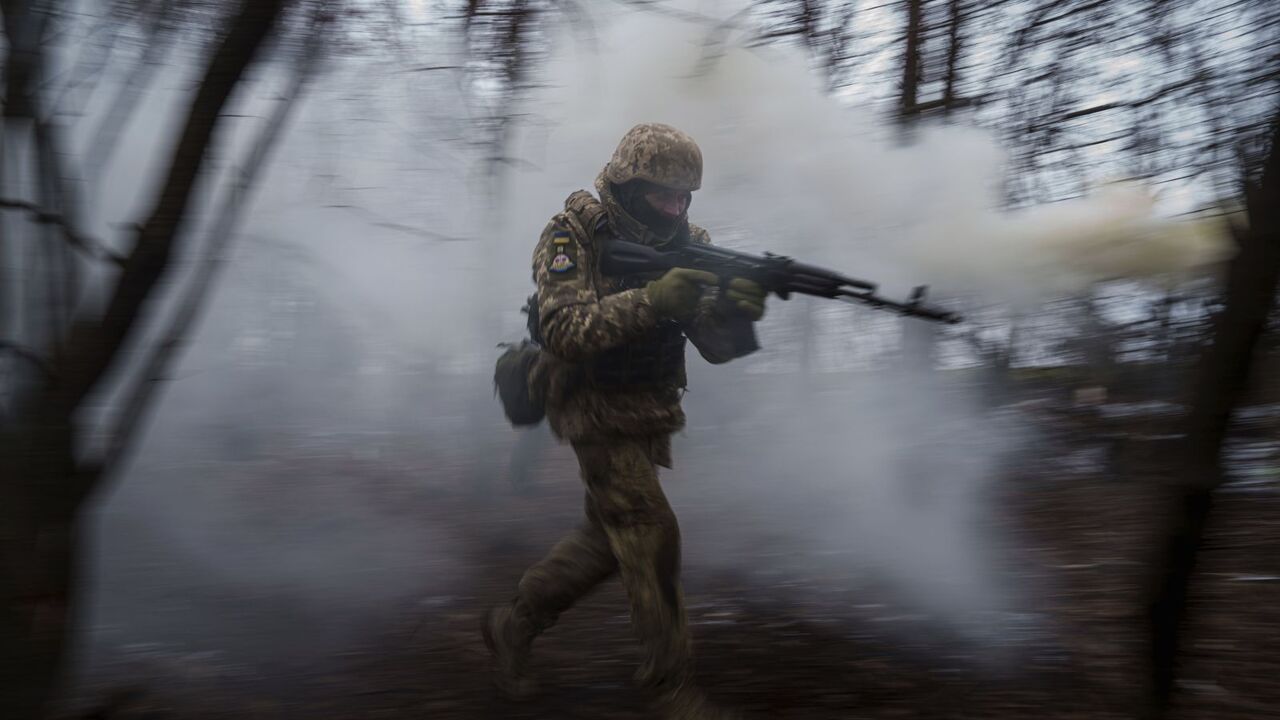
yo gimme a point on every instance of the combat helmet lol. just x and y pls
(659, 154)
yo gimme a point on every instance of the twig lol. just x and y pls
(83, 72)
(28, 355)
(141, 395)
(1140, 102)
(428, 68)
(92, 247)
(95, 345)
(126, 101)
(659, 8)
(379, 221)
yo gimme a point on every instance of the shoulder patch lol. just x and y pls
(562, 260)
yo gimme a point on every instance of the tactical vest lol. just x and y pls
(657, 358)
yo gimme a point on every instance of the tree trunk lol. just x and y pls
(44, 481)
(1220, 381)
(954, 39)
(24, 30)
(909, 96)
(142, 395)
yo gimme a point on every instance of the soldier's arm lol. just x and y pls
(575, 324)
(719, 334)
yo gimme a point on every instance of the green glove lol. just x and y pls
(745, 298)
(676, 294)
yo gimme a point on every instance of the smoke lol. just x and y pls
(1065, 247)
(795, 171)
(888, 472)
(273, 513)
(374, 250)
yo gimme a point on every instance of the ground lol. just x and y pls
(811, 642)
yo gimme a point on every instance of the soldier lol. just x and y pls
(613, 369)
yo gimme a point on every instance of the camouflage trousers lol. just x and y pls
(629, 530)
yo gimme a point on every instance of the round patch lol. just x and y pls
(561, 263)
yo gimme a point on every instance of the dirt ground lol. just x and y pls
(806, 644)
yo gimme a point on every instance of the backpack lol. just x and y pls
(516, 381)
(523, 400)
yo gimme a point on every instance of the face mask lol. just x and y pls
(635, 198)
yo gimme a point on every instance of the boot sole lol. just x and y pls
(506, 690)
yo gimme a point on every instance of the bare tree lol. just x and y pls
(106, 136)
(143, 394)
(47, 475)
(1221, 379)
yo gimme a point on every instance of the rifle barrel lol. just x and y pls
(910, 309)
(777, 273)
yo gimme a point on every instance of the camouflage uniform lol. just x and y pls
(615, 374)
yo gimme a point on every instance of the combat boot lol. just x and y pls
(509, 636)
(687, 702)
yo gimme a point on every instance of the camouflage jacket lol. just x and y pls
(583, 313)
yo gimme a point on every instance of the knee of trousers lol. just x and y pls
(574, 566)
(541, 599)
(650, 559)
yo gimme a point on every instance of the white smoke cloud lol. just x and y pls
(788, 169)
(797, 172)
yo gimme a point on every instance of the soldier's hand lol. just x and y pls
(676, 294)
(746, 298)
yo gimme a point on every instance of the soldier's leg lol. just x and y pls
(575, 565)
(643, 534)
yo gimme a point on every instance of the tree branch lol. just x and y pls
(378, 221)
(908, 98)
(94, 346)
(1222, 376)
(28, 355)
(90, 246)
(1140, 102)
(126, 100)
(141, 397)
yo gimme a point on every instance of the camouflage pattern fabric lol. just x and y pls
(620, 433)
(631, 530)
(659, 154)
(584, 313)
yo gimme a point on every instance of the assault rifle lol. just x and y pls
(775, 273)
